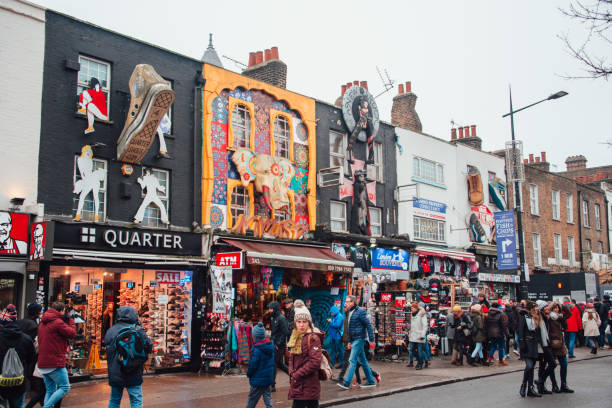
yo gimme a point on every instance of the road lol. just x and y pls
(591, 379)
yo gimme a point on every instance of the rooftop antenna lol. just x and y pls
(240, 64)
(387, 83)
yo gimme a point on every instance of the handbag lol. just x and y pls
(556, 344)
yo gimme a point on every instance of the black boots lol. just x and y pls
(542, 388)
(566, 389)
(470, 361)
(594, 350)
(531, 392)
(555, 387)
(523, 389)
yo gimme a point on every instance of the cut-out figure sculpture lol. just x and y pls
(151, 186)
(89, 182)
(363, 123)
(361, 202)
(9, 245)
(93, 103)
(164, 128)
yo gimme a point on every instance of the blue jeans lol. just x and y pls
(499, 345)
(134, 392)
(563, 368)
(57, 385)
(418, 349)
(477, 350)
(358, 356)
(517, 344)
(427, 351)
(16, 402)
(256, 393)
(570, 340)
(336, 351)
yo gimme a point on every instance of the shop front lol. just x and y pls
(498, 285)
(96, 269)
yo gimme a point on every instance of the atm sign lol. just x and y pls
(233, 259)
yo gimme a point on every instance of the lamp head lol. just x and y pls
(557, 95)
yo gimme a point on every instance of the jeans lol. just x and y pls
(499, 345)
(16, 402)
(358, 356)
(592, 341)
(135, 394)
(336, 350)
(528, 373)
(418, 349)
(563, 368)
(570, 340)
(57, 385)
(258, 392)
(517, 345)
(427, 351)
(547, 365)
(477, 350)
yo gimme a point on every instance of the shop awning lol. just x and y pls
(442, 253)
(293, 256)
(124, 257)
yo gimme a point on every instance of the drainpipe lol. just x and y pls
(580, 230)
(197, 119)
(607, 222)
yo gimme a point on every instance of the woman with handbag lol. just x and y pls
(530, 341)
(591, 323)
(556, 325)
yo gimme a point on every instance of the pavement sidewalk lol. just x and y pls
(191, 390)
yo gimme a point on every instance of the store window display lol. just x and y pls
(162, 299)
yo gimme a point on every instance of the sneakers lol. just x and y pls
(515, 351)
(502, 363)
(344, 387)
(367, 386)
(151, 96)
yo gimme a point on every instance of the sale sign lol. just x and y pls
(231, 259)
(168, 277)
(385, 297)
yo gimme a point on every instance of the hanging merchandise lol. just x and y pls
(329, 277)
(277, 277)
(305, 277)
(266, 274)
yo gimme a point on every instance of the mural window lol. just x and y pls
(241, 126)
(337, 150)
(375, 170)
(587, 244)
(91, 69)
(281, 215)
(375, 221)
(597, 217)
(240, 204)
(556, 205)
(558, 249)
(153, 213)
(537, 250)
(428, 170)
(429, 229)
(282, 132)
(337, 216)
(571, 254)
(585, 214)
(533, 200)
(89, 202)
(569, 204)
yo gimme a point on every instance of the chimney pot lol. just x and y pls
(530, 157)
(537, 159)
(259, 57)
(460, 133)
(408, 87)
(274, 51)
(473, 130)
(544, 157)
(268, 55)
(343, 89)
(466, 131)
(453, 133)
(356, 83)
(525, 161)
(252, 58)
(400, 89)
(364, 85)
(348, 85)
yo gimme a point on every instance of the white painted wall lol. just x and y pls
(22, 46)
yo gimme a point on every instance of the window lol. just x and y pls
(585, 213)
(154, 216)
(241, 126)
(375, 221)
(597, 217)
(537, 251)
(338, 216)
(88, 208)
(569, 204)
(428, 229)
(556, 205)
(282, 135)
(599, 247)
(94, 69)
(587, 244)
(428, 170)
(375, 170)
(240, 203)
(533, 199)
(337, 150)
(571, 253)
(557, 243)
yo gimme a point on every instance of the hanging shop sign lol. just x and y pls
(13, 233)
(495, 277)
(168, 277)
(506, 240)
(231, 259)
(429, 208)
(100, 237)
(41, 241)
(388, 260)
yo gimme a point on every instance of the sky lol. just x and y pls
(460, 55)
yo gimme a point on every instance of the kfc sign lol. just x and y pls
(41, 241)
(168, 277)
(232, 259)
(13, 233)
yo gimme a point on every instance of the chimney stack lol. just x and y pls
(403, 112)
(467, 139)
(344, 88)
(271, 69)
(576, 162)
(539, 162)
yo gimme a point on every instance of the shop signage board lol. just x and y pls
(389, 260)
(495, 277)
(168, 277)
(41, 241)
(14, 233)
(385, 298)
(221, 280)
(231, 259)
(429, 208)
(506, 240)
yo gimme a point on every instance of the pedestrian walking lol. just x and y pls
(279, 333)
(127, 349)
(463, 335)
(261, 368)
(530, 341)
(496, 332)
(479, 336)
(574, 323)
(556, 326)
(304, 360)
(602, 310)
(591, 323)
(17, 358)
(418, 333)
(54, 331)
(450, 333)
(334, 334)
(547, 364)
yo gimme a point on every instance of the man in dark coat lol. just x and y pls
(29, 325)
(126, 318)
(602, 310)
(496, 332)
(279, 333)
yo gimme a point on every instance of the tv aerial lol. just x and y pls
(238, 63)
(387, 82)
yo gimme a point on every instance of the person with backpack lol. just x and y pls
(261, 368)
(127, 349)
(54, 331)
(497, 330)
(17, 358)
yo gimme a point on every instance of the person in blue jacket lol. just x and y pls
(261, 368)
(335, 346)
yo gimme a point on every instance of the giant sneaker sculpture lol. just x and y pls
(151, 97)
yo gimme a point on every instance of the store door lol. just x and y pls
(10, 289)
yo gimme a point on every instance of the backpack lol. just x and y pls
(12, 369)
(325, 370)
(130, 350)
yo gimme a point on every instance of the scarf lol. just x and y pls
(544, 333)
(554, 315)
(530, 323)
(295, 341)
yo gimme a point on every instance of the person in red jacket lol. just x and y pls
(55, 329)
(574, 323)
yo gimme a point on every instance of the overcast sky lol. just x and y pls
(460, 56)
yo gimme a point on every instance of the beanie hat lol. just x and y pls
(476, 307)
(259, 332)
(301, 311)
(484, 309)
(34, 309)
(456, 308)
(541, 304)
(9, 314)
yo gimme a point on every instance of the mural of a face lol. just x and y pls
(272, 176)
(6, 226)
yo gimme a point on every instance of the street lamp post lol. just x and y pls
(523, 292)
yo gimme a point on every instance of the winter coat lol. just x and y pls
(511, 314)
(359, 325)
(450, 329)
(574, 323)
(278, 326)
(304, 369)
(591, 326)
(261, 364)
(54, 331)
(418, 327)
(28, 326)
(496, 324)
(126, 317)
(555, 332)
(289, 315)
(528, 339)
(11, 336)
(481, 334)
(335, 326)
(460, 324)
(603, 310)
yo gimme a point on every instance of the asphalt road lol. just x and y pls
(592, 381)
